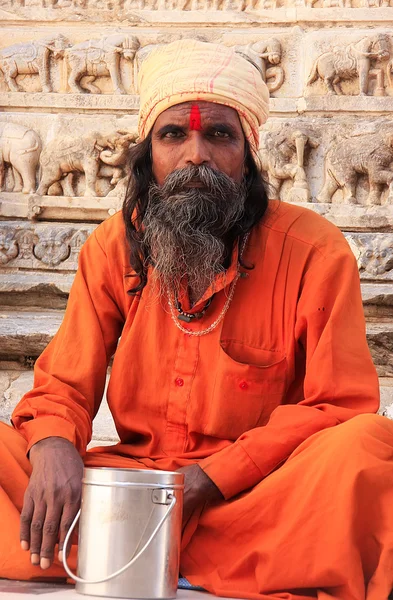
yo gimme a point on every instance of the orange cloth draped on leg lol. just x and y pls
(319, 527)
(263, 403)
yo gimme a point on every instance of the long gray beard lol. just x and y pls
(185, 228)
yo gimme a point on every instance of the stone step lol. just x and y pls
(27, 333)
(27, 289)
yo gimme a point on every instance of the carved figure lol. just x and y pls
(99, 58)
(350, 62)
(327, 3)
(20, 148)
(347, 158)
(375, 3)
(29, 58)
(53, 247)
(8, 245)
(115, 160)
(63, 157)
(265, 53)
(282, 157)
(374, 254)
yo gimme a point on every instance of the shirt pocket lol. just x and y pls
(249, 384)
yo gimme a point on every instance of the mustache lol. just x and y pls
(211, 180)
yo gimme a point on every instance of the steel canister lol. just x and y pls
(129, 533)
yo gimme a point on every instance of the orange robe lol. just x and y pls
(254, 402)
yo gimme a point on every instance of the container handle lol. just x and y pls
(170, 497)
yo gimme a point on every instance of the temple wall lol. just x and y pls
(68, 94)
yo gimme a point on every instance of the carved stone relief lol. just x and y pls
(100, 66)
(31, 58)
(232, 6)
(20, 149)
(282, 156)
(374, 254)
(348, 159)
(99, 58)
(94, 155)
(41, 246)
(266, 54)
(364, 59)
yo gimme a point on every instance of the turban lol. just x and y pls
(190, 70)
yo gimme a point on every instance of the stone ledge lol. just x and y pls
(129, 103)
(146, 18)
(354, 217)
(341, 104)
(27, 333)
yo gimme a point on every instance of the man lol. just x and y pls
(242, 361)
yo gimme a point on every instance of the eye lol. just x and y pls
(172, 135)
(220, 133)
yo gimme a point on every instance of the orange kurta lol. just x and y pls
(289, 360)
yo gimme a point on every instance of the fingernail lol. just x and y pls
(60, 556)
(35, 559)
(24, 545)
(45, 563)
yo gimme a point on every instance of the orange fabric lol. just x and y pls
(319, 527)
(289, 360)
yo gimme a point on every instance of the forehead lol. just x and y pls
(209, 112)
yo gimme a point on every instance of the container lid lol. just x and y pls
(101, 475)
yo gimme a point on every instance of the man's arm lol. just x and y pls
(69, 376)
(56, 416)
(340, 380)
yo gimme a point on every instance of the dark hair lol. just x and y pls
(136, 200)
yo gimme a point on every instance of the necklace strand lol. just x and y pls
(223, 311)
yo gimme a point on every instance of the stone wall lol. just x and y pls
(69, 100)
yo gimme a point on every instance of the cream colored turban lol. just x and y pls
(189, 70)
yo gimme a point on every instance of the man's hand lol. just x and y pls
(198, 489)
(52, 498)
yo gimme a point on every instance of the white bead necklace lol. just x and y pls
(222, 313)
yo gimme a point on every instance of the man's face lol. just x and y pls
(198, 133)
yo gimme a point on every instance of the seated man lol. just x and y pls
(240, 358)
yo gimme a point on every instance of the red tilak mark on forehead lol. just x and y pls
(195, 118)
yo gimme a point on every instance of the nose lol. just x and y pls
(196, 150)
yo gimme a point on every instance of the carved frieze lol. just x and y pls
(347, 159)
(31, 58)
(364, 59)
(23, 245)
(267, 55)
(374, 254)
(282, 158)
(20, 149)
(107, 66)
(232, 6)
(87, 61)
(94, 155)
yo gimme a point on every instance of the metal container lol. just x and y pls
(129, 533)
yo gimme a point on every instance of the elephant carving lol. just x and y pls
(350, 62)
(347, 158)
(20, 148)
(9, 248)
(266, 54)
(282, 157)
(31, 58)
(63, 157)
(99, 58)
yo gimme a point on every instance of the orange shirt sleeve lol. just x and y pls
(340, 379)
(69, 376)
